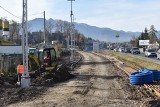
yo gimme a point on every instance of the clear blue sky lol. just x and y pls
(128, 15)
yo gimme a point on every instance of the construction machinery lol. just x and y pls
(38, 61)
(48, 64)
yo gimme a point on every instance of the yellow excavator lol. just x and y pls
(42, 60)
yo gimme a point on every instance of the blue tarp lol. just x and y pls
(89, 48)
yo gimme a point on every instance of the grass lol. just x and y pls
(136, 61)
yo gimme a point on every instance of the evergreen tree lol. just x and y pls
(152, 34)
(144, 35)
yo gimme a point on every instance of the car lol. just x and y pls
(135, 50)
(121, 49)
(158, 54)
(127, 50)
(116, 49)
(150, 53)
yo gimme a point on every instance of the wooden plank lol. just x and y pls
(128, 69)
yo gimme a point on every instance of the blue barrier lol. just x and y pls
(89, 48)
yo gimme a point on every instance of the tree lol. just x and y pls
(48, 30)
(60, 26)
(135, 41)
(14, 31)
(152, 34)
(65, 28)
(144, 35)
(80, 38)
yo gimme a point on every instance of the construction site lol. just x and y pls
(96, 80)
(70, 70)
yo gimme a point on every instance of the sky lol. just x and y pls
(127, 15)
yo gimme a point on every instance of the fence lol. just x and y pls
(8, 63)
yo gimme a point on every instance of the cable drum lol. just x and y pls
(156, 73)
(139, 78)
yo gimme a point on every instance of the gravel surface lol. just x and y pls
(98, 83)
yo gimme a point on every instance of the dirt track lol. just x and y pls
(98, 84)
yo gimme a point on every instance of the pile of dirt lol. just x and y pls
(15, 94)
(152, 103)
(12, 93)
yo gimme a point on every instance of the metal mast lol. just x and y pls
(25, 81)
(71, 32)
(44, 28)
(74, 36)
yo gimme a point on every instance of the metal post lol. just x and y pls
(71, 58)
(68, 42)
(25, 80)
(44, 28)
(74, 43)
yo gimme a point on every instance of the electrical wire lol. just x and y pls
(9, 12)
(35, 14)
(28, 15)
(20, 17)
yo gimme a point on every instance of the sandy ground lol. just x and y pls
(98, 83)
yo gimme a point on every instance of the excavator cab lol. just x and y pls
(47, 58)
(33, 63)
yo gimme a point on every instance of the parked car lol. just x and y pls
(150, 53)
(158, 54)
(135, 50)
(127, 50)
(121, 49)
(115, 49)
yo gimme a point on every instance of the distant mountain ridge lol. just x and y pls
(102, 34)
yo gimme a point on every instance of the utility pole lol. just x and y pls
(25, 80)
(44, 28)
(71, 33)
(74, 43)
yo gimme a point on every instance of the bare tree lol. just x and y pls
(65, 28)
(134, 41)
(14, 30)
(60, 26)
(48, 30)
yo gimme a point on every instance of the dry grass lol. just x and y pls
(6, 43)
(136, 61)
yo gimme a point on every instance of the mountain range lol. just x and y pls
(102, 34)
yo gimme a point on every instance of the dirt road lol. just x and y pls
(98, 84)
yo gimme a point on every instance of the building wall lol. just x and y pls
(11, 49)
(95, 46)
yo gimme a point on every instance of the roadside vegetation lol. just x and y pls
(136, 61)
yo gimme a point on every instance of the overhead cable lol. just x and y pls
(9, 12)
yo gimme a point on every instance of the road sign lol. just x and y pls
(143, 42)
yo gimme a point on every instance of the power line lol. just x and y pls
(9, 12)
(35, 14)
(19, 17)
